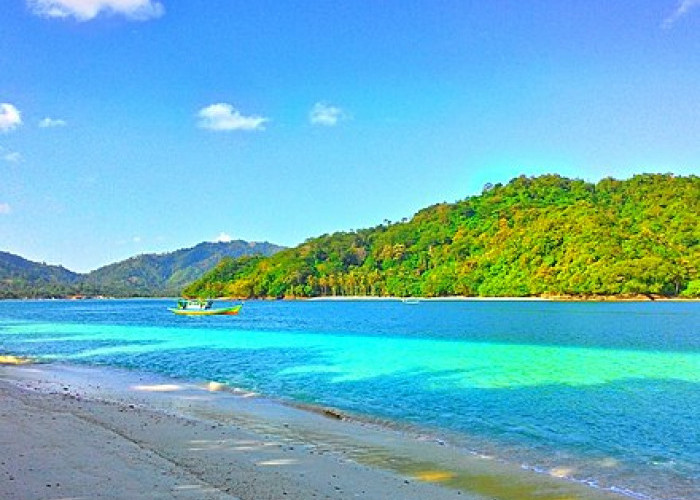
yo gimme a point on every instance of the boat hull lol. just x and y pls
(228, 311)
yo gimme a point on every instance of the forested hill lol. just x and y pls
(532, 237)
(144, 275)
(18, 275)
(167, 273)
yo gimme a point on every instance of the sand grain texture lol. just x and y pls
(63, 446)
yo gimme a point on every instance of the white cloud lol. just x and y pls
(5, 209)
(223, 238)
(325, 114)
(223, 116)
(52, 122)
(136, 239)
(10, 117)
(684, 6)
(12, 157)
(84, 10)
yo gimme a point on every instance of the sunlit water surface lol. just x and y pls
(607, 393)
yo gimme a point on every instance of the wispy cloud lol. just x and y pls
(324, 114)
(12, 157)
(684, 6)
(223, 238)
(5, 208)
(85, 10)
(52, 122)
(133, 240)
(10, 117)
(223, 116)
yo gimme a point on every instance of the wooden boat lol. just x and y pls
(200, 307)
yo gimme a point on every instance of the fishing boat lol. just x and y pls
(200, 307)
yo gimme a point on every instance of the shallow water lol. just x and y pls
(605, 393)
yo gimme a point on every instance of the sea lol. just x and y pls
(610, 391)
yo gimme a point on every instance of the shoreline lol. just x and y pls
(552, 298)
(371, 298)
(308, 452)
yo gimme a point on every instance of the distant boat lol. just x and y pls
(199, 307)
(411, 301)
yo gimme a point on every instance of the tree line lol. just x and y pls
(534, 236)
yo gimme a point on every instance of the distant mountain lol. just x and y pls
(541, 236)
(166, 274)
(144, 275)
(20, 277)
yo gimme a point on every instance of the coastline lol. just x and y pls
(197, 440)
(361, 298)
(548, 298)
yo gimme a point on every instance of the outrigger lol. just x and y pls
(201, 307)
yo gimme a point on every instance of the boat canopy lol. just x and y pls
(194, 303)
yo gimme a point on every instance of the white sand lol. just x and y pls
(68, 432)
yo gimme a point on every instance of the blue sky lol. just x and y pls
(134, 126)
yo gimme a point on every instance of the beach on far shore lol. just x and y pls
(78, 432)
(547, 298)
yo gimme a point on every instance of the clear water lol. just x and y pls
(606, 393)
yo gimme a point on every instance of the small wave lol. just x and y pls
(627, 492)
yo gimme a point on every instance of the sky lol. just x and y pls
(138, 126)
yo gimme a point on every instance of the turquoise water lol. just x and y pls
(608, 392)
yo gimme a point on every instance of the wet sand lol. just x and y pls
(74, 432)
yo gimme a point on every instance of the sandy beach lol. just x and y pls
(73, 432)
(61, 444)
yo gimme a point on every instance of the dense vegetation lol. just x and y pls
(534, 236)
(166, 274)
(141, 276)
(23, 278)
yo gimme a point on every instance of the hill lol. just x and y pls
(20, 277)
(540, 236)
(166, 274)
(144, 275)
